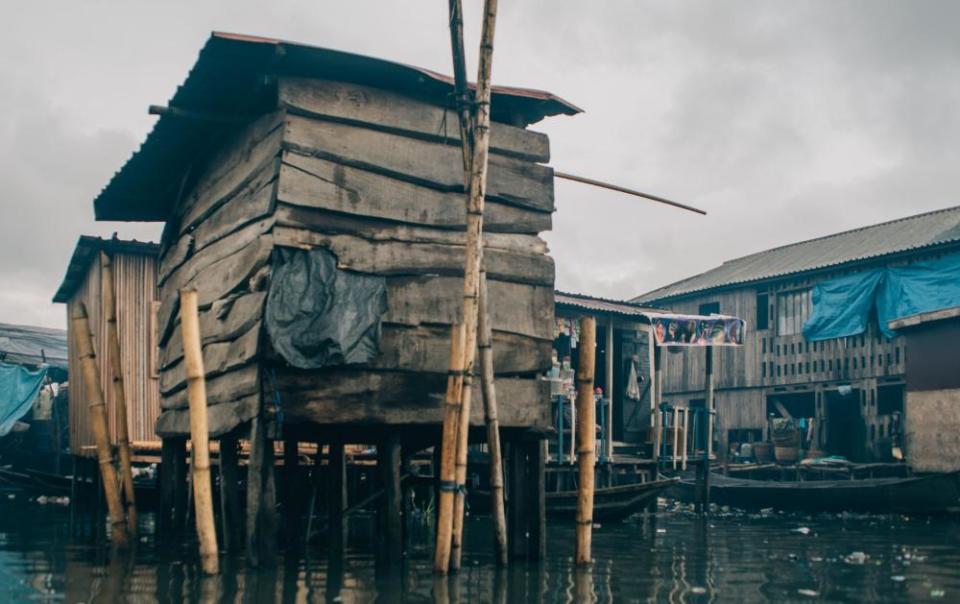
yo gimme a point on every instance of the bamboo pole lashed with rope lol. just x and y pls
(109, 301)
(98, 422)
(587, 437)
(471, 283)
(199, 432)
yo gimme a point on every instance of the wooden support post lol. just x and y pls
(98, 421)
(710, 402)
(517, 503)
(472, 263)
(336, 493)
(675, 428)
(608, 392)
(291, 492)
(261, 498)
(231, 513)
(109, 303)
(497, 509)
(448, 452)
(536, 500)
(655, 378)
(167, 487)
(180, 484)
(388, 460)
(199, 432)
(586, 435)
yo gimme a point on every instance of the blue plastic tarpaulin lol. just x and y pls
(842, 306)
(18, 389)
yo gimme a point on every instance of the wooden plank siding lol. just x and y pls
(136, 290)
(367, 175)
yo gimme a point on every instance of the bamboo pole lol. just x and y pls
(98, 421)
(485, 337)
(108, 287)
(471, 282)
(587, 435)
(490, 413)
(199, 432)
(448, 483)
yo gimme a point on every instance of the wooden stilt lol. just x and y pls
(517, 503)
(536, 500)
(108, 298)
(336, 493)
(230, 509)
(448, 452)
(497, 508)
(388, 460)
(165, 513)
(181, 495)
(199, 432)
(98, 420)
(586, 436)
(261, 498)
(291, 495)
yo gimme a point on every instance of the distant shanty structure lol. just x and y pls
(820, 346)
(135, 282)
(314, 199)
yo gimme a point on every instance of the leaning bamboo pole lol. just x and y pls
(485, 338)
(587, 435)
(98, 421)
(108, 299)
(497, 507)
(448, 483)
(471, 282)
(199, 432)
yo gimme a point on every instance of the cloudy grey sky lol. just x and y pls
(785, 120)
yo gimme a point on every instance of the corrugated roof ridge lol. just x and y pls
(653, 294)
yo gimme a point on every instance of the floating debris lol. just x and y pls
(803, 530)
(809, 592)
(898, 578)
(856, 558)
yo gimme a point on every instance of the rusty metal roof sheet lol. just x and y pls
(931, 229)
(232, 78)
(86, 252)
(604, 306)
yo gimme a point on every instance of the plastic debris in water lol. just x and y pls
(802, 530)
(808, 592)
(855, 558)
(698, 590)
(937, 593)
(898, 578)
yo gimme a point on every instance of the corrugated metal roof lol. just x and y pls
(231, 80)
(605, 306)
(28, 345)
(894, 237)
(86, 252)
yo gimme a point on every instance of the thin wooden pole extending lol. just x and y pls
(490, 413)
(199, 432)
(471, 281)
(109, 302)
(448, 483)
(98, 422)
(587, 437)
(612, 187)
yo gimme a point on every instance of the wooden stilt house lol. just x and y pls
(135, 278)
(314, 198)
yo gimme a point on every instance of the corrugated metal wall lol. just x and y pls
(136, 285)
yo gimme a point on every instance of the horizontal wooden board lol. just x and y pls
(364, 397)
(402, 258)
(514, 181)
(517, 308)
(218, 358)
(313, 182)
(217, 280)
(231, 386)
(221, 418)
(224, 320)
(254, 201)
(386, 110)
(241, 159)
(372, 229)
(198, 260)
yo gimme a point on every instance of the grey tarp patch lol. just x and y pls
(320, 316)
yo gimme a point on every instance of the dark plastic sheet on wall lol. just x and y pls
(320, 316)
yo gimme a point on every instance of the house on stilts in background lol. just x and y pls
(314, 199)
(826, 344)
(134, 266)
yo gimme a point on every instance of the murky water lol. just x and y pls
(727, 557)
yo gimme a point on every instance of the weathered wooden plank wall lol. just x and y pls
(136, 290)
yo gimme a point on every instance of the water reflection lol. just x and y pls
(677, 557)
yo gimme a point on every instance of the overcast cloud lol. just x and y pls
(784, 120)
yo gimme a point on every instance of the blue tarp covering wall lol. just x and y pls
(18, 389)
(842, 306)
